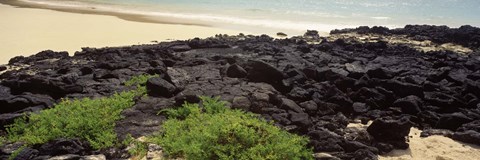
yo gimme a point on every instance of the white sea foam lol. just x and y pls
(381, 18)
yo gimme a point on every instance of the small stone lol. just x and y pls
(65, 157)
(155, 152)
(281, 34)
(360, 107)
(324, 156)
(94, 157)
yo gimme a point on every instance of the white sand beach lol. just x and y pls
(26, 31)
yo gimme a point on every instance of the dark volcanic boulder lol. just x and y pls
(300, 119)
(54, 87)
(325, 141)
(43, 55)
(8, 118)
(402, 89)
(64, 146)
(2, 68)
(235, 71)
(259, 71)
(445, 102)
(452, 121)
(158, 87)
(12, 103)
(409, 105)
(469, 133)
(290, 105)
(27, 153)
(469, 136)
(391, 130)
(380, 73)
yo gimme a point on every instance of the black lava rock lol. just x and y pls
(235, 71)
(409, 105)
(452, 121)
(159, 87)
(259, 71)
(391, 130)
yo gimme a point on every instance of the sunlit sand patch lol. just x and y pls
(430, 148)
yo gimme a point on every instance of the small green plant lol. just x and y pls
(2, 140)
(217, 132)
(16, 153)
(211, 106)
(137, 149)
(140, 81)
(89, 119)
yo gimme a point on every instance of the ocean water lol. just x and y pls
(294, 15)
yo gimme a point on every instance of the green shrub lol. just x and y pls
(137, 149)
(216, 132)
(2, 140)
(16, 153)
(89, 119)
(140, 81)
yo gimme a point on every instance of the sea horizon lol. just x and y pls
(285, 15)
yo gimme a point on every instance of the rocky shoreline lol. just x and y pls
(309, 85)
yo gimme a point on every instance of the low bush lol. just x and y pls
(136, 149)
(210, 130)
(139, 81)
(89, 119)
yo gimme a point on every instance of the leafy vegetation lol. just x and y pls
(136, 149)
(16, 153)
(212, 131)
(140, 81)
(2, 140)
(89, 119)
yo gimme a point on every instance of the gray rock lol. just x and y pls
(409, 105)
(235, 71)
(158, 87)
(290, 105)
(241, 102)
(94, 157)
(66, 157)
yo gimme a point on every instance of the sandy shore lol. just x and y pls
(430, 148)
(434, 148)
(26, 31)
